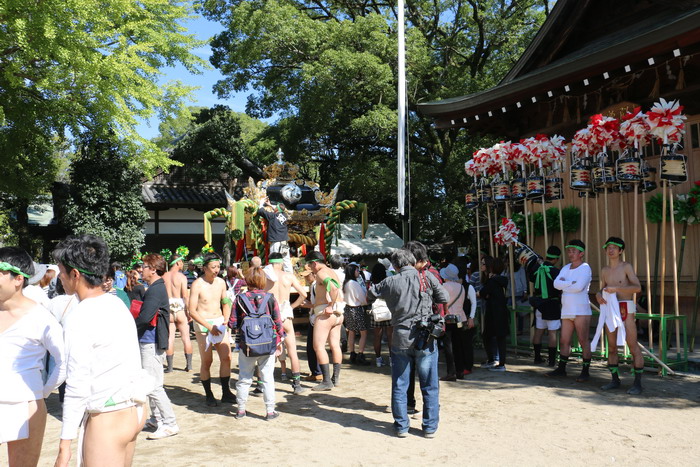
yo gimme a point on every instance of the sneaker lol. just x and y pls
(429, 434)
(466, 372)
(240, 414)
(272, 415)
(499, 368)
(284, 378)
(313, 378)
(488, 365)
(257, 391)
(449, 378)
(402, 434)
(379, 361)
(362, 360)
(164, 432)
(151, 425)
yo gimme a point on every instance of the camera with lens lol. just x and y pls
(427, 330)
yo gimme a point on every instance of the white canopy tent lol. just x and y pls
(379, 240)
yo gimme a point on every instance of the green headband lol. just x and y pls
(210, 260)
(177, 258)
(82, 270)
(315, 261)
(581, 249)
(14, 269)
(275, 260)
(553, 256)
(613, 243)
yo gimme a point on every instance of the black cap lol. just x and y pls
(553, 252)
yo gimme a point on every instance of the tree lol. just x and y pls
(214, 147)
(108, 205)
(329, 69)
(69, 65)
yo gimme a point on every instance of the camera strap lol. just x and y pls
(461, 289)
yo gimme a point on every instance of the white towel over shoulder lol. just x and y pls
(610, 315)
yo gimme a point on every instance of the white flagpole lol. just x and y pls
(401, 148)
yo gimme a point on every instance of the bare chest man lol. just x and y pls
(175, 284)
(619, 276)
(208, 296)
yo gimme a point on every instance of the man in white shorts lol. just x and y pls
(573, 280)
(547, 304)
(176, 285)
(210, 308)
(280, 283)
(619, 278)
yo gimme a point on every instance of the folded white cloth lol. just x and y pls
(212, 339)
(270, 273)
(610, 316)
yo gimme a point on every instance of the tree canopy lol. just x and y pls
(108, 205)
(329, 70)
(68, 65)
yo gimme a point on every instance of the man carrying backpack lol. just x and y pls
(256, 317)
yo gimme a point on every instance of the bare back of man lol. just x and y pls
(210, 307)
(176, 286)
(281, 289)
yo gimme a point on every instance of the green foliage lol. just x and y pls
(213, 148)
(329, 69)
(108, 205)
(686, 207)
(67, 65)
(571, 216)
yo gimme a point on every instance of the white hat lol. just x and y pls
(450, 273)
(385, 262)
(53, 267)
(39, 272)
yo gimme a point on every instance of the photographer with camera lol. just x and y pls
(410, 298)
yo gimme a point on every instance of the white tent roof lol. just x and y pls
(379, 240)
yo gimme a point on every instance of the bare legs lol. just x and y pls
(110, 438)
(26, 452)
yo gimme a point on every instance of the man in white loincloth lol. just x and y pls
(176, 285)
(280, 283)
(210, 308)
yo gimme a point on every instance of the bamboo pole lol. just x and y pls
(561, 222)
(588, 223)
(650, 308)
(527, 223)
(662, 277)
(676, 307)
(544, 221)
(597, 233)
(478, 239)
(511, 264)
(607, 223)
(622, 221)
(496, 225)
(488, 215)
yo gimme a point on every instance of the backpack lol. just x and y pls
(257, 331)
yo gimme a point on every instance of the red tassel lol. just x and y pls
(303, 250)
(322, 240)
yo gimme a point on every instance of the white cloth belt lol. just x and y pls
(610, 316)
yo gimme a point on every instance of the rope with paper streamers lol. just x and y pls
(256, 231)
(334, 218)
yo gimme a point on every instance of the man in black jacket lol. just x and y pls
(547, 303)
(153, 328)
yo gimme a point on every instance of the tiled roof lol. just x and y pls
(211, 195)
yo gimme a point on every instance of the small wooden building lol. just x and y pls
(600, 56)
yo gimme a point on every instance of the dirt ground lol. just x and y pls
(520, 417)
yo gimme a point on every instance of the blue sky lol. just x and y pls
(203, 30)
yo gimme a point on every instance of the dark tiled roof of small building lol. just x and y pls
(169, 195)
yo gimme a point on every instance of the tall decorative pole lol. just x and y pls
(401, 140)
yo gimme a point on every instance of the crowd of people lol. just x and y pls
(107, 379)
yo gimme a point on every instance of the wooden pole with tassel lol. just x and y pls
(650, 308)
(676, 308)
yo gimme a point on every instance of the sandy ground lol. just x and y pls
(516, 418)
